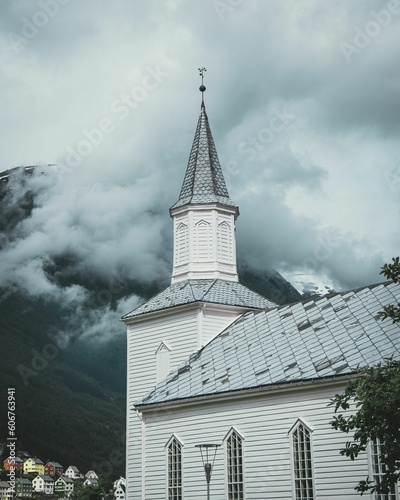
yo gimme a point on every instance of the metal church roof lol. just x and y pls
(334, 335)
(204, 181)
(212, 291)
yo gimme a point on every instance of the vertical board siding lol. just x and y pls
(264, 423)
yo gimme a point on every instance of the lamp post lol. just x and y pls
(208, 452)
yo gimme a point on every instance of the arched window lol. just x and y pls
(234, 465)
(174, 469)
(182, 244)
(224, 242)
(302, 461)
(202, 244)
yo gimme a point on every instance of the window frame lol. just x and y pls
(301, 423)
(240, 437)
(372, 474)
(171, 441)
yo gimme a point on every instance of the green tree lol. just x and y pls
(392, 271)
(375, 394)
(88, 493)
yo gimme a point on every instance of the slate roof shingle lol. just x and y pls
(331, 336)
(213, 291)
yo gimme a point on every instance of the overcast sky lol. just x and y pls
(303, 102)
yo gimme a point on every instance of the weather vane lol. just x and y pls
(202, 88)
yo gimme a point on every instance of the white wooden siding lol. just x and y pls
(183, 332)
(264, 423)
(179, 332)
(214, 321)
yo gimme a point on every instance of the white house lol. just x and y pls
(64, 485)
(91, 481)
(43, 484)
(91, 473)
(119, 488)
(73, 472)
(211, 362)
(6, 491)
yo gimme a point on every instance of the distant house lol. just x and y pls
(53, 469)
(23, 487)
(73, 472)
(119, 488)
(5, 491)
(64, 485)
(33, 466)
(91, 473)
(16, 462)
(43, 484)
(90, 481)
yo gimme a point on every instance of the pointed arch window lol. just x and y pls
(302, 461)
(224, 242)
(174, 469)
(182, 244)
(234, 465)
(202, 246)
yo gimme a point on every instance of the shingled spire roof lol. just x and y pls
(204, 182)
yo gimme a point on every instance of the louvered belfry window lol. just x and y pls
(174, 452)
(378, 471)
(302, 462)
(234, 456)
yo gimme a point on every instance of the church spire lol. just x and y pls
(202, 87)
(204, 182)
(204, 215)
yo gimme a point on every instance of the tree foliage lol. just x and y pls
(392, 271)
(375, 394)
(91, 492)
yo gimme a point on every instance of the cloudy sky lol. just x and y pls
(303, 101)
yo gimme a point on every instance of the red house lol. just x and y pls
(17, 463)
(53, 469)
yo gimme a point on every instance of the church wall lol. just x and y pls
(264, 423)
(179, 332)
(214, 321)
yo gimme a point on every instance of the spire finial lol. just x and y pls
(202, 88)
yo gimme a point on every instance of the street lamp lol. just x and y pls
(208, 452)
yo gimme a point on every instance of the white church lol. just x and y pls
(212, 363)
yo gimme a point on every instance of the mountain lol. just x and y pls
(67, 361)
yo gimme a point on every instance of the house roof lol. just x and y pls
(91, 480)
(45, 478)
(334, 335)
(203, 182)
(66, 479)
(72, 467)
(16, 460)
(55, 464)
(23, 480)
(211, 291)
(4, 484)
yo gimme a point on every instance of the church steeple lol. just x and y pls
(204, 215)
(204, 181)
